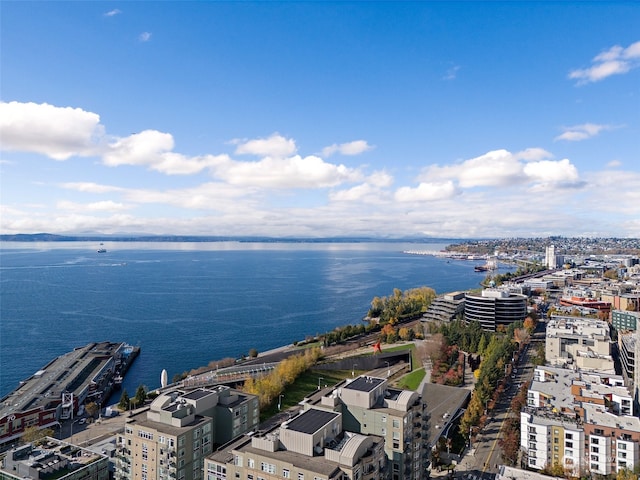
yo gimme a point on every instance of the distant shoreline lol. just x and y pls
(49, 237)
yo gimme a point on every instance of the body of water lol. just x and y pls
(186, 304)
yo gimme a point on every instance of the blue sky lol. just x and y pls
(317, 119)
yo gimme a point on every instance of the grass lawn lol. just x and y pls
(303, 386)
(412, 380)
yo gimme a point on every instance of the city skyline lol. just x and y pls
(288, 119)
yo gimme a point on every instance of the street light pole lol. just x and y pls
(279, 400)
(319, 378)
(388, 369)
(353, 369)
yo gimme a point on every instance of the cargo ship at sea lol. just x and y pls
(60, 389)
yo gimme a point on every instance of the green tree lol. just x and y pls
(123, 404)
(253, 353)
(141, 395)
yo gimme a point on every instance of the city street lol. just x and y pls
(481, 461)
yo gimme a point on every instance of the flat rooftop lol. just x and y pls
(364, 383)
(311, 421)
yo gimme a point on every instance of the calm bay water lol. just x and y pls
(186, 304)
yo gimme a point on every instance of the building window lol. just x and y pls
(595, 441)
(301, 476)
(569, 444)
(286, 473)
(595, 449)
(251, 463)
(396, 423)
(622, 446)
(568, 436)
(267, 467)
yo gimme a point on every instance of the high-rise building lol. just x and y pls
(550, 257)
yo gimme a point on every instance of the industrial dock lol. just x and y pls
(56, 392)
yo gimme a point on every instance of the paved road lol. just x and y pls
(485, 455)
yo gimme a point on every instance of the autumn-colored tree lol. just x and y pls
(521, 336)
(433, 347)
(33, 434)
(92, 409)
(406, 334)
(529, 324)
(626, 474)
(268, 387)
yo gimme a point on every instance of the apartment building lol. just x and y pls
(171, 438)
(51, 458)
(445, 308)
(611, 441)
(310, 446)
(549, 438)
(582, 342)
(370, 407)
(625, 321)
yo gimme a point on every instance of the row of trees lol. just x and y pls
(137, 401)
(269, 387)
(496, 357)
(401, 305)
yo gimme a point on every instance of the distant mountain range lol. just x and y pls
(49, 237)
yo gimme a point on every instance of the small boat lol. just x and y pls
(102, 250)
(481, 268)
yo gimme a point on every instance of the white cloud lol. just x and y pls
(427, 192)
(57, 132)
(152, 149)
(90, 187)
(495, 168)
(615, 61)
(452, 73)
(380, 179)
(113, 13)
(614, 164)
(102, 206)
(501, 168)
(552, 173)
(364, 192)
(350, 148)
(144, 36)
(273, 146)
(582, 132)
(293, 172)
(372, 191)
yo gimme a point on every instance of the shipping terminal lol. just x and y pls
(59, 390)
